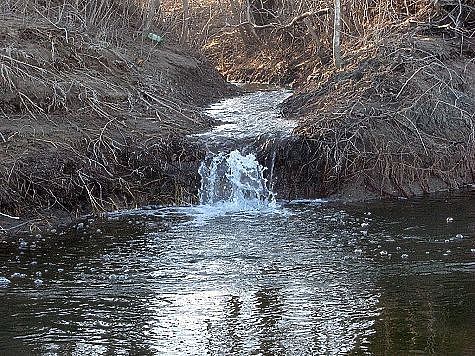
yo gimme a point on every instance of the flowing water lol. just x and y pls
(246, 274)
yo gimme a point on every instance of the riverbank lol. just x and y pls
(87, 124)
(395, 119)
(95, 120)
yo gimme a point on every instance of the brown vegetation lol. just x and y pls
(93, 114)
(396, 119)
(93, 111)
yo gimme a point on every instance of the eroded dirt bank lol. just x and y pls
(86, 125)
(397, 122)
(395, 119)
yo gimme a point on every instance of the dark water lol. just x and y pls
(306, 279)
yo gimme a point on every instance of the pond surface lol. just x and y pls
(308, 278)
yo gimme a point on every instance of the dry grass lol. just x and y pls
(400, 118)
(93, 115)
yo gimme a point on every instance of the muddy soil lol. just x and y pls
(89, 126)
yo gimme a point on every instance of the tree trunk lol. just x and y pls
(153, 5)
(246, 30)
(314, 35)
(186, 18)
(336, 36)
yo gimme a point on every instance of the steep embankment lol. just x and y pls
(398, 120)
(86, 124)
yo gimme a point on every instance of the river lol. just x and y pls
(245, 273)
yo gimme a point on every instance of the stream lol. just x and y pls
(246, 273)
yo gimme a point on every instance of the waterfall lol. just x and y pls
(236, 181)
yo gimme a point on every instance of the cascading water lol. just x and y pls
(234, 181)
(231, 181)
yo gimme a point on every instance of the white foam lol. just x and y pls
(234, 182)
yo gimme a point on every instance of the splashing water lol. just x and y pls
(234, 181)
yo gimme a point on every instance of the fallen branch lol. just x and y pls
(9, 216)
(279, 26)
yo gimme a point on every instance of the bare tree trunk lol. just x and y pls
(246, 30)
(153, 5)
(250, 20)
(186, 18)
(336, 35)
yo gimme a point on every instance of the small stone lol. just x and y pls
(365, 224)
(53, 231)
(459, 236)
(99, 231)
(80, 226)
(383, 253)
(450, 219)
(60, 270)
(398, 248)
(38, 282)
(404, 256)
(38, 236)
(358, 251)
